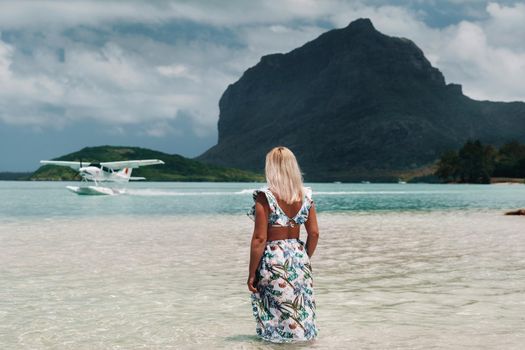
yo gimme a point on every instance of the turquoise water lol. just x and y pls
(164, 266)
(51, 199)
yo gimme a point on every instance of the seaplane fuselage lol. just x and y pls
(104, 174)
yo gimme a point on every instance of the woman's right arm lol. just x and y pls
(260, 234)
(313, 231)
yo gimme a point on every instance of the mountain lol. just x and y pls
(176, 167)
(354, 104)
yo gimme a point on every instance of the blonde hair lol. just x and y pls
(283, 175)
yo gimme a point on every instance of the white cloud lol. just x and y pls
(177, 71)
(486, 56)
(160, 129)
(119, 78)
(486, 71)
(36, 13)
(111, 85)
(506, 25)
(5, 61)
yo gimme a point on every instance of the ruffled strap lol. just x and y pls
(277, 215)
(302, 215)
(269, 198)
(308, 196)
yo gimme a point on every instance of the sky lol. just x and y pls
(150, 73)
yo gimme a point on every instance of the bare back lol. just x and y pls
(276, 232)
(291, 231)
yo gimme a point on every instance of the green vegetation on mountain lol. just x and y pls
(510, 161)
(477, 163)
(176, 167)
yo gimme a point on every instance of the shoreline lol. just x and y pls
(494, 181)
(29, 220)
(507, 181)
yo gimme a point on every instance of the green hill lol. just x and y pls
(176, 167)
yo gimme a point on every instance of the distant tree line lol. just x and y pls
(14, 176)
(477, 163)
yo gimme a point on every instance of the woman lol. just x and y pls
(280, 274)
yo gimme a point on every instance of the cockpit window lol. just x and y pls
(106, 169)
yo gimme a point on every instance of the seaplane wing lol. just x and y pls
(73, 165)
(131, 163)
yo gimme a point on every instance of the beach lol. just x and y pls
(429, 280)
(384, 279)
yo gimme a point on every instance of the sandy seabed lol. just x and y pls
(383, 280)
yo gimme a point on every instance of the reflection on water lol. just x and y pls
(383, 280)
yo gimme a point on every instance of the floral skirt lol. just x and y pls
(284, 305)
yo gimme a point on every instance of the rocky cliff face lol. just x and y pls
(353, 104)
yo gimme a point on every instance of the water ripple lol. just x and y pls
(421, 280)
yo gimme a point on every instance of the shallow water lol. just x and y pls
(47, 200)
(452, 279)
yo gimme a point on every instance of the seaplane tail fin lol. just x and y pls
(125, 173)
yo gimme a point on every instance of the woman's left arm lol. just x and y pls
(260, 233)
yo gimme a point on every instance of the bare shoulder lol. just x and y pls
(261, 198)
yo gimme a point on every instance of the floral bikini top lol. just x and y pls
(277, 216)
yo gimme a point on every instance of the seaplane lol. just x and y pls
(116, 172)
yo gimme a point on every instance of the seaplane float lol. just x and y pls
(115, 172)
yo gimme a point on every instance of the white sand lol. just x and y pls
(437, 280)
